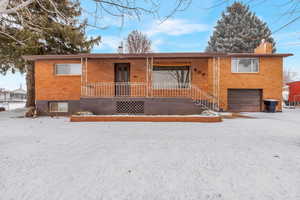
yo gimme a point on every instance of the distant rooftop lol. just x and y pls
(20, 90)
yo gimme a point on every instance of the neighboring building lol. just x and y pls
(19, 94)
(285, 93)
(157, 83)
(4, 94)
(294, 92)
(11, 100)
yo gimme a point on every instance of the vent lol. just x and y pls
(130, 107)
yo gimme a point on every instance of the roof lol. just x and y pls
(293, 82)
(3, 90)
(148, 55)
(19, 91)
(259, 55)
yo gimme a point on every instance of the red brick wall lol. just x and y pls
(48, 86)
(269, 79)
(52, 87)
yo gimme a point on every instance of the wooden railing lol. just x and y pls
(164, 90)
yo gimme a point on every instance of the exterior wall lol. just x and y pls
(67, 88)
(43, 107)
(49, 86)
(103, 70)
(269, 79)
(294, 91)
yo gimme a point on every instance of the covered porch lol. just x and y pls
(151, 80)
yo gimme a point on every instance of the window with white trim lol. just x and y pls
(58, 107)
(68, 69)
(245, 65)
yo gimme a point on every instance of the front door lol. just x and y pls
(122, 78)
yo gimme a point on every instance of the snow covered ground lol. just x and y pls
(239, 159)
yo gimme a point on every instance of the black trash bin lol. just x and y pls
(270, 105)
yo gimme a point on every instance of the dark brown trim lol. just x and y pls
(258, 55)
(154, 55)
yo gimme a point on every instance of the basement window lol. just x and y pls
(170, 77)
(62, 107)
(68, 69)
(245, 65)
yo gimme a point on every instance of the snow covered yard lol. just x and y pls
(51, 158)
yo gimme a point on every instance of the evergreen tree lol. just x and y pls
(239, 31)
(53, 33)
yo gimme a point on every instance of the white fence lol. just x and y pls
(12, 105)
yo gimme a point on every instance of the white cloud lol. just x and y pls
(175, 27)
(155, 44)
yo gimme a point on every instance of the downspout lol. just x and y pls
(219, 76)
(214, 77)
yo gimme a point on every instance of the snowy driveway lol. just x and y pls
(239, 159)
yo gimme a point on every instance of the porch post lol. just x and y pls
(81, 78)
(150, 75)
(86, 70)
(216, 81)
(147, 76)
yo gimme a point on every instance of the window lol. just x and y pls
(59, 107)
(68, 69)
(245, 65)
(164, 77)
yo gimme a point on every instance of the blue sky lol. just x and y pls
(186, 31)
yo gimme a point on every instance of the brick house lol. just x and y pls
(157, 83)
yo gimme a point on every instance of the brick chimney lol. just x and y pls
(264, 48)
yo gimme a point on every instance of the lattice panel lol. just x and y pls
(130, 107)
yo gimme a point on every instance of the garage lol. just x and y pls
(244, 100)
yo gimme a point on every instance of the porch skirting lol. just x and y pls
(137, 106)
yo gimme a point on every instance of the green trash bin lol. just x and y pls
(270, 105)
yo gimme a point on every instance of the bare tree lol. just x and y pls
(289, 76)
(137, 42)
(16, 14)
(116, 8)
(182, 77)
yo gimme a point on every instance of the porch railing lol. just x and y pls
(129, 89)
